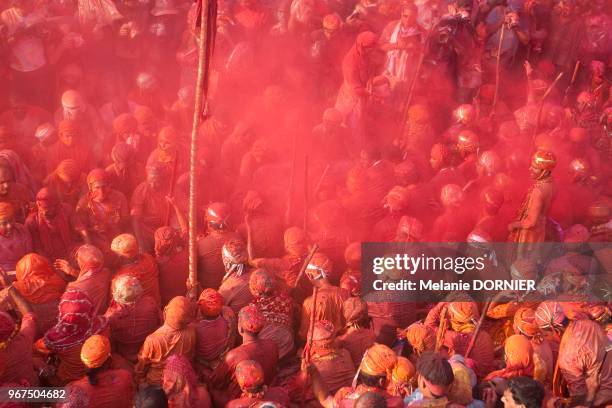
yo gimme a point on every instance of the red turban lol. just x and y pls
(166, 240)
(249, 374)
(68, 170)
(251, 319)
(332, 22)
(410, 227)
(544, 160)
(398, 198)
(46, 198)
(36, 281)
(210, 303)
(89, 257)
(451, 195)
(125, 245)
(125, 123)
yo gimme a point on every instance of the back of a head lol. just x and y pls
(526, 391)
(371, 400)
(151, 397)
(435, 369)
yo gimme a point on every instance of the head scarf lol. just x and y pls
(518, 351)
(403, 371)
(126, 289)
(332, 22)
(76, 322)
(463, 316)
(235, 257)
(167, 239)
(125, 123)
(95, 351)
(351, 282)
(210, 303)
(378, 360)
(365, 39)
(179, 372)
(46, 198)
(21, 173)
(354, 310)
(7, 211)
(525, 322)
(89, 258)
(260, 283)
(422, 338)
(319, 267)
(251, 319)
(68, 170)
(178, 313)
(95, 176)
(125, 245)
(218, 214)
(295, 241)
(36, 281)
(250, 376)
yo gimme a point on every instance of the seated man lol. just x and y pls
(15, 239)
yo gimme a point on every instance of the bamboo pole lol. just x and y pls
(197, 113)
(498, 66)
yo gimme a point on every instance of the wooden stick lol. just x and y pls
(305, 225)
(172, 178)
(574, 77)
(307, 260)
(441, 328)
(498, 67)
(249, 230)
(536, 128)
(320, 182)
(309, 337)
(478, 328)
(200, 95)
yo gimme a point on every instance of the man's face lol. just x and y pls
(67, 137)
(435, 162)
(99, 191)
(6, 227)
(165, 144)
(5, 181)
(408, 17)
(47, 211)
(509, 401)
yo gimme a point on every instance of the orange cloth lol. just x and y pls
(125, 245)
(329, 307)
(145, 270)
(519, 358)
(357, 341)
(36, 281)
(422, 338)
(463, 315)
(525, 322)
(179, 313)
(379, 360)
(95, 351)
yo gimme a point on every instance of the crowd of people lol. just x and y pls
(326, 124)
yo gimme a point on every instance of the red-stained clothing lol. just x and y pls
(94, 284)
(266, 236)
(150, 206)
(131, 324)
(336, 368)
(115, 389)
(173, 274)
(145, 269)
(236, 292)
(20, 197)
(388, 316)
(581, 355)
(13, 248)
(16, 359)
(264, 352)
(214, 337)
(329, 307)
(57, 238)
(275, 394)
(210, 263)
(69, 195)
(104, 221)
(80, 153)
(346, 397)
(357, 341)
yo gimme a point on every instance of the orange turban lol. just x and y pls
(249, 374)
(378, 360)
(95, 351)
(462, 315)
(403, 371)
(260, 283)
(251, 319)
(525, 322)
(422, 338)
(178, 313)
(7, 211)
(295, 241)
(210, 303)
(36, 281)
(125, 245)
(68, 170)
(518, 351)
